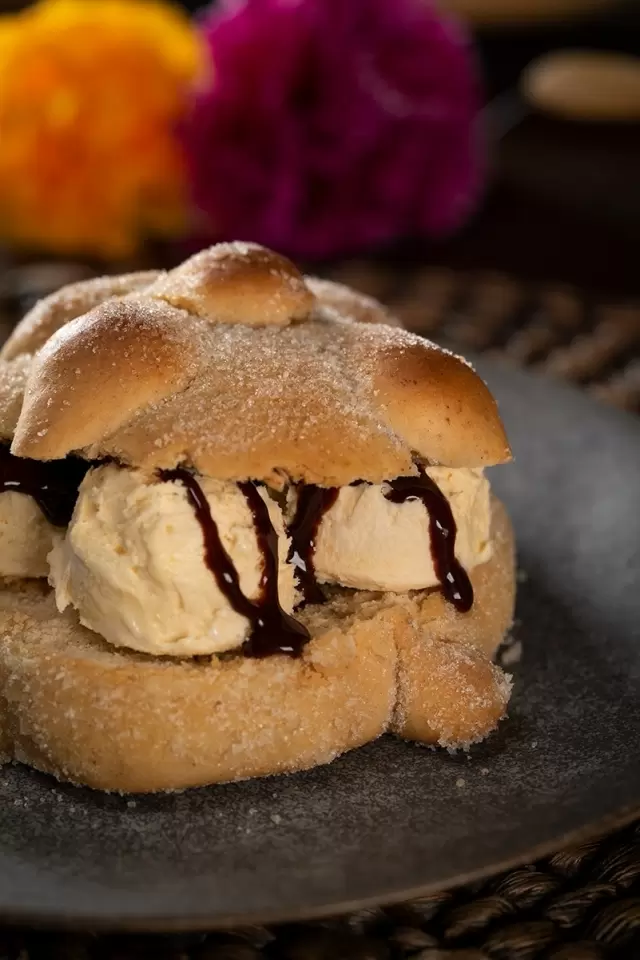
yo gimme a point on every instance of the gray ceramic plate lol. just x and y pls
(392, 820)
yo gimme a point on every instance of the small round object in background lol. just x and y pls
(589, 85)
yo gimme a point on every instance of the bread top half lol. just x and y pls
(236, 365)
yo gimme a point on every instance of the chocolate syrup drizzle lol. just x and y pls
(451, 575)
(272, 629)
(54, 487)
(313, 503)
(52, 484)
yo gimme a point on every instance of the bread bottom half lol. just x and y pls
(75, 707)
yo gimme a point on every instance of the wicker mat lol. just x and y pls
(553, 329)
(581, 904)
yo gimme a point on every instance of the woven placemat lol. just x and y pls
(551, 328)
(581, 904)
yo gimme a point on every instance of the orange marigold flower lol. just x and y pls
(90, 93)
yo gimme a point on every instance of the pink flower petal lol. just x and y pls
(333, 124)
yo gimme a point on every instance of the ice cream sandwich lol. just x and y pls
(244, 527)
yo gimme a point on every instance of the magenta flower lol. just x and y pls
(333, 125)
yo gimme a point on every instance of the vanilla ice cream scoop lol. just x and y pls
(368, 542)
(25, 537)
(133, 565)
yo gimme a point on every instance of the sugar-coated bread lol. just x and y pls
(349, 303)
(99, 369)
(234, 365)
(71, 301)
(35, 328)
(13, 378)
(72, 706)
(448, 690)
(237, 283)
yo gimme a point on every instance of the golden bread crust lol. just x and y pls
(13, 379)
(74, 707)
(41, 322)
(449, 691)
(287, 411)
(237, 283)
(79, 710)
(350, 304)
(280, 389)
(71, 301)
(98, 370)
(437, 402)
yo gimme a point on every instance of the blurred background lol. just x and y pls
(481, 175)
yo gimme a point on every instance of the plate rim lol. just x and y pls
(83, 923)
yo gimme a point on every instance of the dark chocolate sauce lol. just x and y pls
(272, 629)
(53, 484)
(452, 576)
(313, 503)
